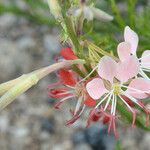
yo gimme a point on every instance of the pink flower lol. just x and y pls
(69, 88)
(111, 85)
(129, 47)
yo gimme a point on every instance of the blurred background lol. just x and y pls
(29, 39)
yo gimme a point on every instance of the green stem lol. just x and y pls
(72, 35)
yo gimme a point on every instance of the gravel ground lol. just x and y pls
(30, 122)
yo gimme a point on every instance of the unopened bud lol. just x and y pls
(101, 15)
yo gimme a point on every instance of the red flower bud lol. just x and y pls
(68, 54)
(67, 77)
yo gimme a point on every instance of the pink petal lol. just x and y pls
(107, 68)
(131, 37)
(139, 84)
(145, 59)
(96, 88)
(124, 50)
(127, 69)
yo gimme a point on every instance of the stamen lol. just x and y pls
(70, 87)
(115, 104)
(126, 103)
(88, 74)
(78, 104)
(112, 107)
(108, 101)
(82, 110)
(144, 57)
(66, 98)
(133, 112)
(75, 117)
(140, 91)
(133, 99)
(57, 105)
(103, 100)
(114, 128)
(143, 74)
(145, 69)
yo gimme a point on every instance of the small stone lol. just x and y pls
(78, 137)
(48, 125)
(26, 42)
(145, 143)
(20, 132)
(4, 123)
(94, 137)
(51, 43)
(7, 20)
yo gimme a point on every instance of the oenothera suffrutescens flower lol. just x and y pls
(68, 87)
(111, 86)
(129, 47)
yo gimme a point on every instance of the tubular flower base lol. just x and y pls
(116, 82)
(12, 89)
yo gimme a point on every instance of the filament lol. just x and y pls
(140, 91)
(88, 74)
(112, 107)
(133, 99)
(78, 104)
(66, 98)
(145, 69)
(144, 56)
(108, 101)
(143, 74)
(126, 103)
(115, 104)
(103, 100)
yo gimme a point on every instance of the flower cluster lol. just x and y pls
(117, 82)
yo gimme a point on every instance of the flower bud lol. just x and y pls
(101, 15)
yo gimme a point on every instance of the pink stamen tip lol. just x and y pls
(133, 119)
(112, 125)
(114, 129)
(57, 105)
(72, 120)
(147, 119)
(92, 112)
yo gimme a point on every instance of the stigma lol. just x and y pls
(116, 89)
